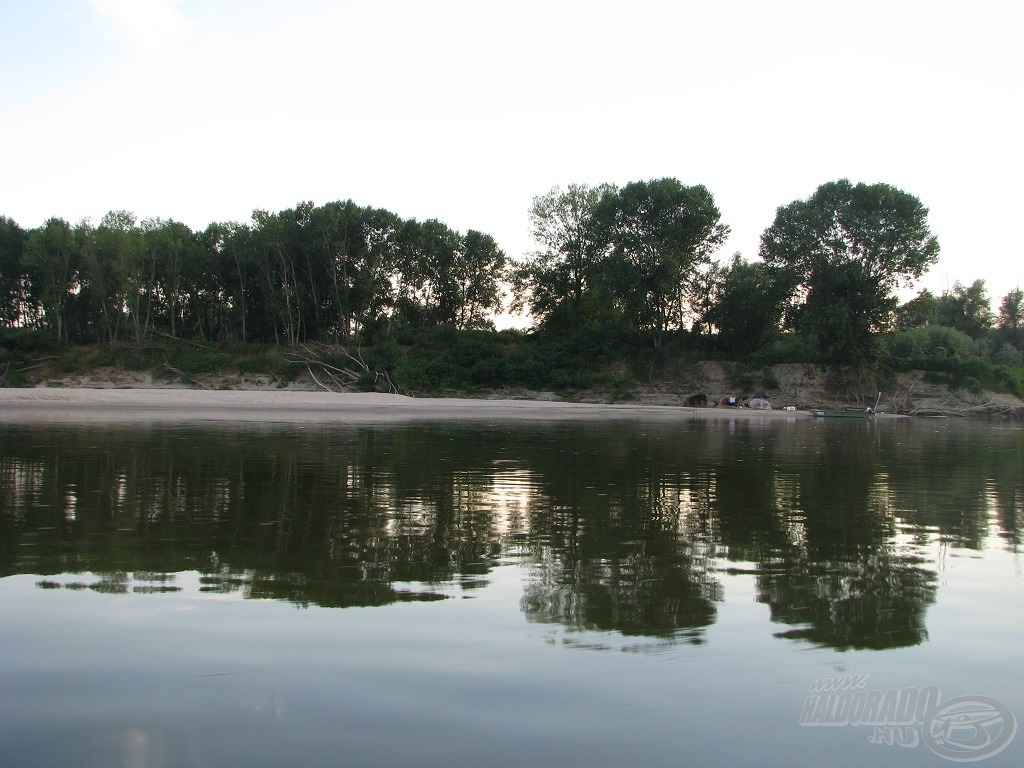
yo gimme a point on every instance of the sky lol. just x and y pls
(464, 111)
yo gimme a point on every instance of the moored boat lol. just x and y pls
(844, 413)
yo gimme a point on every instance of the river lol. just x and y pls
(717, 592)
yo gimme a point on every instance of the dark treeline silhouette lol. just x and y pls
(636, 263)
(311, 272)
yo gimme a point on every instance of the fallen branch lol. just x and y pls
(990, 408)
(343, 379)
(183, 375)
(316, 380)
(184, 341)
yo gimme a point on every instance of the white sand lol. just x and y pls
(81, 404)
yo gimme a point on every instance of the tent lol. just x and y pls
(760, 400)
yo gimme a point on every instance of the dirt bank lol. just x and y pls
(801, 386)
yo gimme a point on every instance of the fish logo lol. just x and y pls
(969, 728)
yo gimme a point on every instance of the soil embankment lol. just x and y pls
(800, 386)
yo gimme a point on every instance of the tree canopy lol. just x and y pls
(965, 308)
(307, 273)
(633, 253)
(635, 262)
(845, 250)
(659, 234)
(563, 282)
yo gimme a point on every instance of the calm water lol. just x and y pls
(577, 594)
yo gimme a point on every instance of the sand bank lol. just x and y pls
(192, 405)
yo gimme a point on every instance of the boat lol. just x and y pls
(844, 413)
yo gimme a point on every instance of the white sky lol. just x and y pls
(464, 111)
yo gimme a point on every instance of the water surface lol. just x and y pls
(509, 593)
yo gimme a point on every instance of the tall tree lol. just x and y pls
(226, 281)
(482, 270)
(16, 305)
(169, 248)
(557, 279)
(966, 308)
(430, 255)
(919, 311)
(374, 275)
(749, 307)
(1011, 317)
(117, 276)
(659, 233)
(846, 249)
(52, 262)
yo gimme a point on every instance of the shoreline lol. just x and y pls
(192, 405)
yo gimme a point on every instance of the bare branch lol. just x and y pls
(183, 375)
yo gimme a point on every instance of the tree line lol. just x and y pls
(325, 272)
(639, 258)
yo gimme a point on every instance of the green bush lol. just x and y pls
(26, 340)
(1008, 356)
(930, 342)
(410, 373)
(258, 362)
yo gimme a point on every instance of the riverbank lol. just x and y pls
(261, 405)
(802, 387)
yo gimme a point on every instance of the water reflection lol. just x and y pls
(624, 527)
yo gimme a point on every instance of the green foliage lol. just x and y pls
(1008, 355)
(304, 274)
(559, 281)
(410, 374)
(445, 359)
(919, 311)
(26, 339)
(257, 362)
(748, 311)
(917, 346)
(953, 358)
(659, 235)
(846, 249)
(16, 305)
(1011, 318)
(622, 290)
(976, 376)
(966, 308)
(788, 348)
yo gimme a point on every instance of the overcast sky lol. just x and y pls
(202, 110)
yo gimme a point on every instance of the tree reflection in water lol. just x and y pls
(624, 527)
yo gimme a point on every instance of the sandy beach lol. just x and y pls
(40, 404)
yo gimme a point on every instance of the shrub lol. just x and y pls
(1009, 356)
(930, 342)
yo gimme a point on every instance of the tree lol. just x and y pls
(433, 272)
(659, 234)
(966, 308)
(917, 312)
(559, 277)
(483, 268)
(52, 262)
(16, 305)
(1011, 312)
(846, 249)
(116, 276)
(171, 249)
(838, 312)
(704, 292)
(748, 309)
